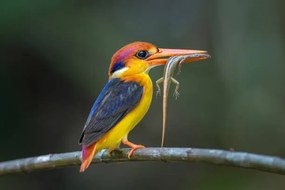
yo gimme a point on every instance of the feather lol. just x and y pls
(87, 156)
(115, 101)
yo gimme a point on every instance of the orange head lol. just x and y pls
(139, 57)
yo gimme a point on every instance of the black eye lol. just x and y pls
(142, 54)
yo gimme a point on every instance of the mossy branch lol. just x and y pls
(221, 157)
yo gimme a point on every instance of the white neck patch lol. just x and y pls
(117, 73)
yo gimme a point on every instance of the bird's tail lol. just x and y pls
(87, 156)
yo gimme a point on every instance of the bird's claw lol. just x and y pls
(134, 148)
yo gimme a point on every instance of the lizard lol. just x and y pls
(167, 79)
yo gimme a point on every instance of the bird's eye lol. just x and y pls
(142, 54)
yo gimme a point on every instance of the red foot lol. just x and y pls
(133, 146)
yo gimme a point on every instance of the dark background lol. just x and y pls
(53, 63)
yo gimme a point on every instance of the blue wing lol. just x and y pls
(115, 101)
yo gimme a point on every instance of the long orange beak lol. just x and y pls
(161, 57)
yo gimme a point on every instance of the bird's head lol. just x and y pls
(139, 57)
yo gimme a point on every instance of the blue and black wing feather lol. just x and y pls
(115, 101)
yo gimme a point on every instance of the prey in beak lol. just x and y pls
(161, 57)
(171, 58)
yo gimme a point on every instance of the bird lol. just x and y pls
(124, 100)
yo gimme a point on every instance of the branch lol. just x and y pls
(220, 157)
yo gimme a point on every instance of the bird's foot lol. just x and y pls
(133, 146)
(114, 151)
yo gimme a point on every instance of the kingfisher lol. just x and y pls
(125, 99)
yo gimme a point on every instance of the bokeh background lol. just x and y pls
(53, 63)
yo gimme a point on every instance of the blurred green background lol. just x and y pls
(53, 63)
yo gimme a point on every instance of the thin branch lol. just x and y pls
(220, 157)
